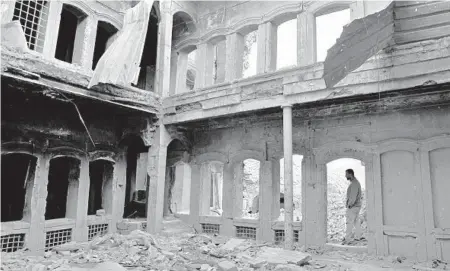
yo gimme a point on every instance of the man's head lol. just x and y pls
(349, 174)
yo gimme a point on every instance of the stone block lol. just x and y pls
(227, 266)
(281, 256)
(232, 244)
(289, 267)
(100, 212)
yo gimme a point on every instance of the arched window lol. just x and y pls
(287, 44)
(212, 188)
(191, 70)
(181, 188)
(250, 54)
(250, 188)
(297, 188)
(329, 25)
(70, 31)
(104, 38)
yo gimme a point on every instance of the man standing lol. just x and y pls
(353, 206)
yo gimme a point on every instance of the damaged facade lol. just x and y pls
(176, 141)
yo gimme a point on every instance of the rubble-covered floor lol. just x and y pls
(178, 248)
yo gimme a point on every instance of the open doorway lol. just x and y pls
(100, 188)
(63, 182)
(337, 185)
(136, 178)
(250, 188)
(66, 46)
(181, 189)
(297, 181)
(147, 72)
(17, 184)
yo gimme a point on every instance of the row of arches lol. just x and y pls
(18, 181)
(284, 48)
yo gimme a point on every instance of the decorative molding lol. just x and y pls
(398, 144)
(345, 149)
(65, 151)
(437, 142)
(19, 147)
(210, 157)
(102, 155)
(247, 154)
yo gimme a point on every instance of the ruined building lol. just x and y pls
(173, 141)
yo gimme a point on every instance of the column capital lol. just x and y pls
(286, 105)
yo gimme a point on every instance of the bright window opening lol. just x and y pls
(287, 44)
(250, 54)
(328, 30)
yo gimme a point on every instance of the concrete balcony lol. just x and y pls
(400, 67)
(32, 68)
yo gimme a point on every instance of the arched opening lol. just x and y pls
(100, 188)
(181, 189)
(247, 187)
(70, 30)
(191, 70)
(104, 38)
(211, 188)
(297, 181)
(63, 182)
(250, 54)
(329, 25)
(137, 180)
(287, 44)
(183, 26)
(178, 178)
(147, 72)
(18, 171)
(337, 211)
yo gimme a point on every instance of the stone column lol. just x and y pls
(80, 233)
(275, 189)
(36, 244)
(227, 228)
(118, 188)
(52, 31)
(194, 212)
(267, 48)
(85, 36)
(265, 201)
(288, 177)
(234, 55)
(162, 78)
(306, 39)
(7, 11)
(182, 64)
(205, 189)
(157, 159)
(238, 174)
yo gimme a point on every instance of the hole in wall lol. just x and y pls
(17, 184)
(62, 188)
(337, 185)
(100, 188)
(297, 187)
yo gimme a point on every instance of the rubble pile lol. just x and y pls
(142, 251)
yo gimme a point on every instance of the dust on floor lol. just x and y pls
(182, 251)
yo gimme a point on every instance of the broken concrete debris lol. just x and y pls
(142, 251)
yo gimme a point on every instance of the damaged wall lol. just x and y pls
(394, 147)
